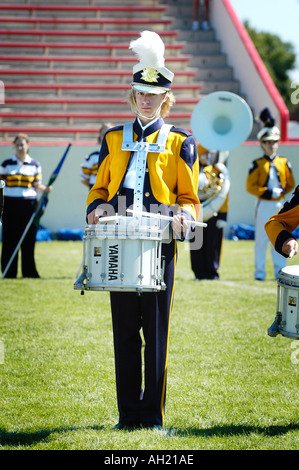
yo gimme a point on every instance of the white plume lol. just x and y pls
(149, 49)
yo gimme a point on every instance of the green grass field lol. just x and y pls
(230, 386)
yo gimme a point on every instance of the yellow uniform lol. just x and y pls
(171, 176)
(258, 177)
(269, 179)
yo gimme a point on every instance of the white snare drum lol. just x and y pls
(122, 256)
(287, 318)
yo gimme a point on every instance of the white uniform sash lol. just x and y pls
(142, 148)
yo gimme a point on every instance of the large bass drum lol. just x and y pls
(122, 256)
(286, 322)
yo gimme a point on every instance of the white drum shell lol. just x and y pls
(122, 257)
(288, 300)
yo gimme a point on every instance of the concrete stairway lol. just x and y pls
(207, 60)
(67, 69)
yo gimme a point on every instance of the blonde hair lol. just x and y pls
(165, 108)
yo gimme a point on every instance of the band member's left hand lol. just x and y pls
(179, 225)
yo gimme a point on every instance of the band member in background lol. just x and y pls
(89, 166)
(270, 177)
(205, 12)
(170, 178)
(280, 226)
(23, 179)
(205, 261)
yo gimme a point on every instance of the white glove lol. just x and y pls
(203, 181)
(276, 192)
(220, 223)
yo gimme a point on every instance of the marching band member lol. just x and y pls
(270, 177)
(205, 261)
(23, 179)
(170, 178)
(280, 226)
(205, 6)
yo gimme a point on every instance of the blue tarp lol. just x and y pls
(44, 235)
(246, 232)
(241, 232)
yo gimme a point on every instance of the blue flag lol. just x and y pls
(43, 201)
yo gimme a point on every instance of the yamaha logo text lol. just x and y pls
(113, 262)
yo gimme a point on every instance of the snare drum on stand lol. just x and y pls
(286, 321)
(122, 254)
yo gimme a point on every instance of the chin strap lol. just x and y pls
(154, 116)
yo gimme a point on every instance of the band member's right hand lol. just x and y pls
(94, 216)
(290, 247)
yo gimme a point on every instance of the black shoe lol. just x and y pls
(152, 426)
(117, 426)
(120, 426)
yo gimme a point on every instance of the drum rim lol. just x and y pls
(284, 270)
(285, 277)
(288, 334)
(123, 232)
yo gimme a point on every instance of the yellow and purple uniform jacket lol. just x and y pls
(280, 225)
(258, 177)
(171, 176)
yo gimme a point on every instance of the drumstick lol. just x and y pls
(110, 219)
(292, 253)
(165, 217)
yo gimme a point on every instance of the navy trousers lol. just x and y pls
(205, 261)
(16, 215)
(141, 401)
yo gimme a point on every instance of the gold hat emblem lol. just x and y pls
(150, 75)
